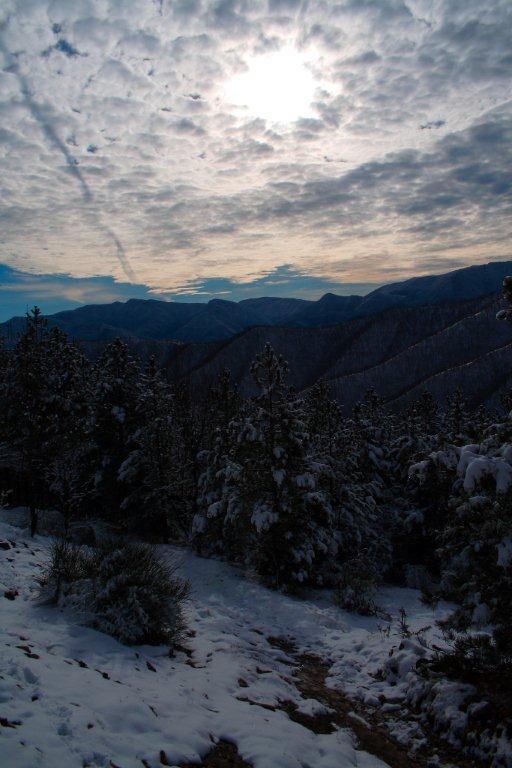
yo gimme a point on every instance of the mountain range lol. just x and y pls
(435, 332)
(219, 319)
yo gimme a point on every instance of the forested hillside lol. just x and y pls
(396, 352)
(322, 485)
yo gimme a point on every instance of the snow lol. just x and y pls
(473, 466)
(82, 698)
(54, 676)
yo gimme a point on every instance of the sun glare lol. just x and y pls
(277, 87)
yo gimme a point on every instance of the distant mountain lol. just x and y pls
(274, 310)
(219, 320)
(466, 283)
(328, 310)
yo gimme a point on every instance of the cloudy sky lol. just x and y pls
(191, 148)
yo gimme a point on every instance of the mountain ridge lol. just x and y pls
(220, 319)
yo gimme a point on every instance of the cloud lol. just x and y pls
(432, 124)
(123, 159)
(39, 115)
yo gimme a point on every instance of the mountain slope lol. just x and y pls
(396, 351)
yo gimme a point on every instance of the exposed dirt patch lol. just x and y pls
(223, 755)
(369, 725)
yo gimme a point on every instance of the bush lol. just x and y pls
(129, 591)
(356, 588)
(137, 597)
(68, 564)
(475, 658)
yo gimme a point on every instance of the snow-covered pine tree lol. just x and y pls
(114, 404)
(506, 314)
(292, 517)
(476, 552)
(208, 531)
(69, 385)
(348, 453)
(224, 400)
(272, 512)
(325, 420)
(154, 475)
(456, 418)
(194, 414)
(423, 417)
(42, 401)
(370, 434)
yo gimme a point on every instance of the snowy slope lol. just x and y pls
(77, 697)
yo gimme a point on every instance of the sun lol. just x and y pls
(278, 87)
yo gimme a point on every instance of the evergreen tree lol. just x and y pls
(324, 418)
(456, 420)
(506, 314)
(340, 448)
(266, 491)
(69, 384)
(115, 401)
(154, 475)
(425, 415)
(223, 406)
(44, 399)
(28, 421)
(477, 554)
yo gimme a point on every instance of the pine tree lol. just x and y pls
(352, 455)
(44, 404)
(223, 406)
(456, 420)
(27, 412)
(506, 314)
(154, 475)
(324, 418)
(114, 404)
(272, 515)
(69, 384)
(425, 415)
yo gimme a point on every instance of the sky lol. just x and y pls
(186, 149)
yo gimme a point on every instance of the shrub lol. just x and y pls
(128, 590)
(137, 597)
(68, 564)
(356, 588)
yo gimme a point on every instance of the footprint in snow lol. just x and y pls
(30, 676)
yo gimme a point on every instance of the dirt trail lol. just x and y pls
(369, 726)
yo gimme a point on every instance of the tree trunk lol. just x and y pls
(33, 521)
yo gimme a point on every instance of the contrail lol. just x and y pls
(52, 136)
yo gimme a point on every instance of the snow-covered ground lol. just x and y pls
(76, 697)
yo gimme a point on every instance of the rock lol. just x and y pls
(11, 594)
(4, 544)
(5, 723)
